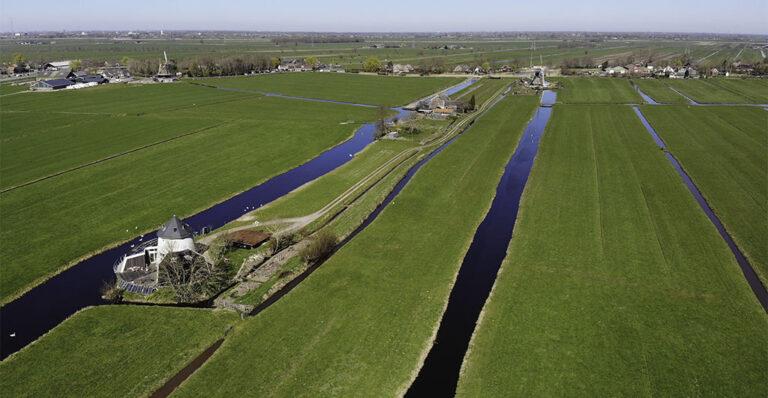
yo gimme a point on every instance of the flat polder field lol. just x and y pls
(615, 282)
(113, 351)
(637, 295)
(724, 150)
(88, 169)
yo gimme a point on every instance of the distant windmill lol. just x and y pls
(164, 70)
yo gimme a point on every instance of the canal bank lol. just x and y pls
(439, 374)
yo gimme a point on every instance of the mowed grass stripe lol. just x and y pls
(725, 152)
(81, 212)
(584, 90)
(706, 91)
(755, 90)
(362, 89)
(53, 155)
(616, 283)
(362, 321)
(112, 351)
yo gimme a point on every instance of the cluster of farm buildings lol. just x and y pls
(687, 71)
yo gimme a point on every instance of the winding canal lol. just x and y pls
(746, 268)
(39, 310)
(440, 372)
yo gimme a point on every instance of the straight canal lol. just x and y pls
(39, 310)
(439, 375)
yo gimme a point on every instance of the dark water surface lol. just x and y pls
(746, 267)
(439, 375)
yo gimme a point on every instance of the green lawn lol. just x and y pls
(363, 89)
(119, 100)
(659, 90)
(593, 90)
(737, 91)
(707, 91)
(755, 90)
(361, 322)
(725, 151)
(82, 211)
(53, 143)
(615, 283)
(112, 351)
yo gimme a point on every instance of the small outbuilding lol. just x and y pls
(247, 239)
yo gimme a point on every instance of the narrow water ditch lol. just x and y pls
(746, 268)
(440, 372)
(646, 97)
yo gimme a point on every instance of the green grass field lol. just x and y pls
(725, 151)
(708, 91)
(737, 91)
(84, 210)
(112, 351)
(580, 90)
(361, 322)
(615, 283)
(363, 89)
(659, 90)
(754, 90)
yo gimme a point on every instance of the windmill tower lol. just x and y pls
(164, 70)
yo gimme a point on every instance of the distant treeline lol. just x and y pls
(207, 66)
(316, 39)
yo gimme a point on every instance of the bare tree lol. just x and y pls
(191, 277)
(381, 122)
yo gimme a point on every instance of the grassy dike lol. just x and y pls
(725, 152)
(361, 323)
(112, 351)
(616, 283)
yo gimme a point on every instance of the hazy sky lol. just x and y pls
(735, 16)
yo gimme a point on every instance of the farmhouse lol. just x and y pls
(639, 70)
(138, 270)
(462, 69)
(685, 73)
(441, 104)
(616, 71)
(50, 85)
(56, 65)
(400, 69)
(293, 65)
(116, 73)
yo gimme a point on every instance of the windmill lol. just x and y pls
(164, 71)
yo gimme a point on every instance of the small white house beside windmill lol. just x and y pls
(137, 271)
